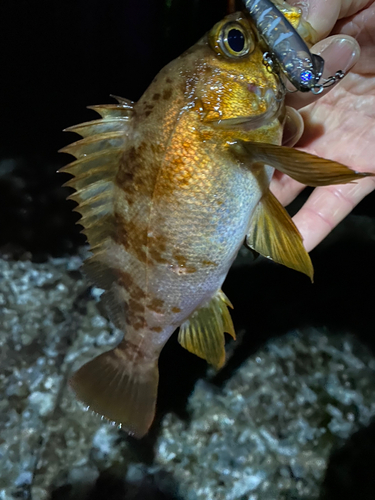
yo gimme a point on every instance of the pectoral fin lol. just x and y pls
(273, 234)
(303, 167)
(203, 333)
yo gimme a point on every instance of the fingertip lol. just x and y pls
(340, 53)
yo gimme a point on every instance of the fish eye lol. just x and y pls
(235, 41)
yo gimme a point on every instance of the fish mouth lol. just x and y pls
(268, 98)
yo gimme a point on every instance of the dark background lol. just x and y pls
(57, 57)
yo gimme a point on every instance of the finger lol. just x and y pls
(340, 53)
(322, 15)
(293, 127)
(361, 26)
(360, 23)
(326, 207)
(285, 188)
(282, 186)
(351, 7)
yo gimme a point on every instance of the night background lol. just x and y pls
(59, 57)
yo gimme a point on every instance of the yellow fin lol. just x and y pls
(98, 156)
(121, 385)
(203, 333)
(86, 165)
(273, 234)
(303, 167)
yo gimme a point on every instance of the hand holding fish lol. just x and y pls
(341, 124)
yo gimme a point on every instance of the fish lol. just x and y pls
(168, 189)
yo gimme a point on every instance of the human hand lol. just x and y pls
(340, 125)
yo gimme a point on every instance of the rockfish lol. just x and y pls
(169, 188)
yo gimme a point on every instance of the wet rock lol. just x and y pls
(49, 318)
(269, 431)
(265, 430)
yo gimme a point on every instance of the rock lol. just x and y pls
(269, 431)
(266, 429)
(49, 319)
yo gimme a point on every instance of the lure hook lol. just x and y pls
(328, 82)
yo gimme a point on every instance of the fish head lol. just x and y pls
(223, 83)
(235, 90)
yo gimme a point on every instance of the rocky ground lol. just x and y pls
(289, 417)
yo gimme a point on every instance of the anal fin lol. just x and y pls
(274, 235)
(203, 333)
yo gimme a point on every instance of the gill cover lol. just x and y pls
(235, 40)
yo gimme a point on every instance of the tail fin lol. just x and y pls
(120, 390)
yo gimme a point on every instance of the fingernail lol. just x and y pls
(339, 53)
(293, 127)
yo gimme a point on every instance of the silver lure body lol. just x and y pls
(287, 49)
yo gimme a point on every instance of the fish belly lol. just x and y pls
(202, 225)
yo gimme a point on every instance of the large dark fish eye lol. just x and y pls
(235, 40)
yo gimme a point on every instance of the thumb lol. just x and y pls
(340, 52)
(323, 15)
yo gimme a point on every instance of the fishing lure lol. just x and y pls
(287, 50)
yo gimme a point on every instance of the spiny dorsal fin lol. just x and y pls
(100, 126)
(273, 234)
(98, 155)
(113, 110)
(203, 333)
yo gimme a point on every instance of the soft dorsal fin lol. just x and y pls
(98, 155)
(203, 333)
(273, 234)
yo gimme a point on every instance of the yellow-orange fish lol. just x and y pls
(169, 188)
